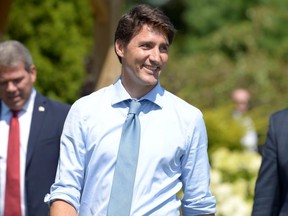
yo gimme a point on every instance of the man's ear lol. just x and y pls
(119, 48)
(33, 72)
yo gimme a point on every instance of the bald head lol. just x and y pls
(241, 99)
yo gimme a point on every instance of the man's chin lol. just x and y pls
(16, 105)
(152, 82)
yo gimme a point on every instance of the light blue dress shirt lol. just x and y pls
(173, 155)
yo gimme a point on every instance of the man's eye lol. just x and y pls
(145, 46)
(17, 81)
(164, 49)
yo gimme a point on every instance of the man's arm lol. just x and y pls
(196, 175)
(60, 208)
(267, 187)
(208, 215)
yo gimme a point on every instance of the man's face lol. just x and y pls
(16, 85)
(143, 59)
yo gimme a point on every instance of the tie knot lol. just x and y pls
(15, 113)
(134, 106)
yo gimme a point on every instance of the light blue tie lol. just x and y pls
(126, 165)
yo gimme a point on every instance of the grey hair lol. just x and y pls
(13, 52)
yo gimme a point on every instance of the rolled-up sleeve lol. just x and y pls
(197, 199)
(70, 172)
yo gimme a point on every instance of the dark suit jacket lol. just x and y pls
(43, 152)
(271, 191)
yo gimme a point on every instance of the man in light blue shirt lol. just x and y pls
(173, 142)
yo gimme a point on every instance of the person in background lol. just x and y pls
(241, 99)
(173, 139)
(271, 191)
(28, 165)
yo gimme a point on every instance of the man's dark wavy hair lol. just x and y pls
(131, 23)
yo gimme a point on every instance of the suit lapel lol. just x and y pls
(39, 112)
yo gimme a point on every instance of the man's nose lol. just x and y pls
(11, 86)
(155, 56)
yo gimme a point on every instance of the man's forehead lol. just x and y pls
(15, 66)
(12, 72)
(153, 29)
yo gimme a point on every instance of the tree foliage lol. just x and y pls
(224, 44)
(58, 34)
(220, 45)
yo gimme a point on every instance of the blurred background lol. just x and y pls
(221, 45)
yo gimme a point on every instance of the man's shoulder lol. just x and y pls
(181, 109)
(46, 101)
(279, 117)
(182, 104)
(95, 97)
(280, 114)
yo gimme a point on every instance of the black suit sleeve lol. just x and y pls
(266, 199)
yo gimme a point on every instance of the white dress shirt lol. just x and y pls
(24, 116)
(172, 155)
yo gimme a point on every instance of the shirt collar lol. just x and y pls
(120, 94)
